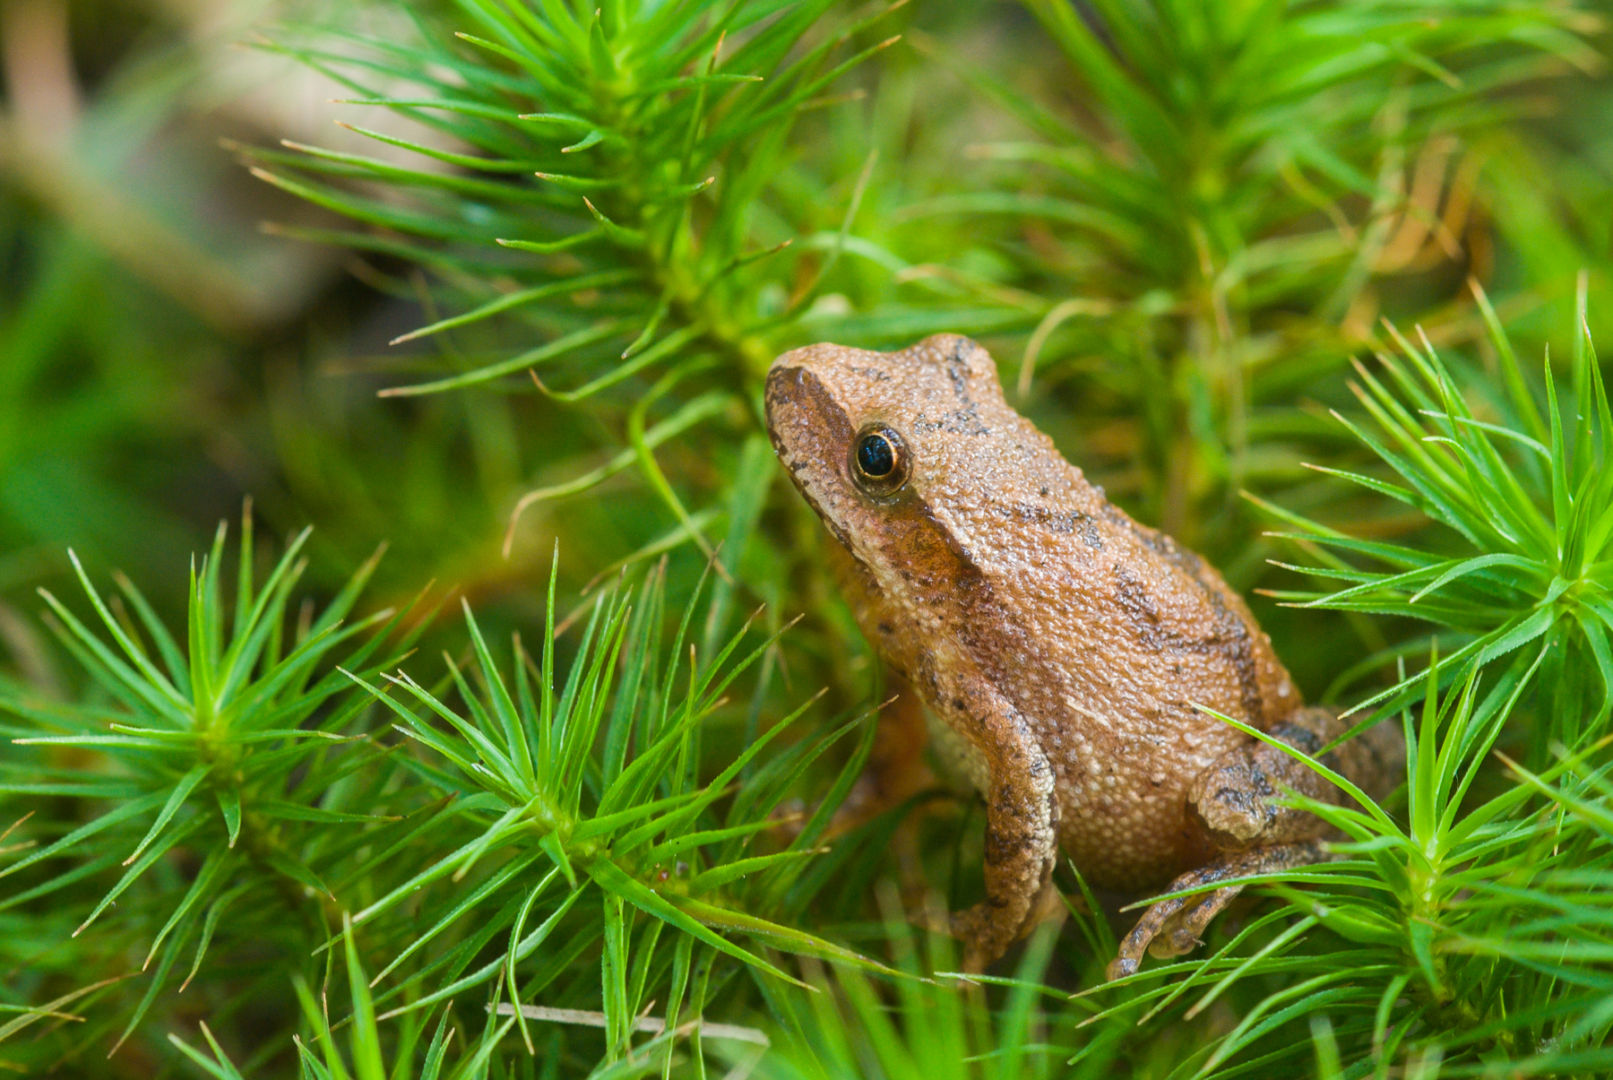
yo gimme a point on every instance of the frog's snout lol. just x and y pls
(807, 423)
(789, 372)
(783, 387)
(781, 376)
(794, 388)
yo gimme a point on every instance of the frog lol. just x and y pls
(1074, 664)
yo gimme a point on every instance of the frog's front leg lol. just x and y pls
(1021, 813)
(1233, 803)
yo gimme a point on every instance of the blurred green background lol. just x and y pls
(165, 356)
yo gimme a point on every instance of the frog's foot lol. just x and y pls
(985, 934)
(987, 929)
(1174, 926)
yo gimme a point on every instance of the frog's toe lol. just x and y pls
(1153, 923)
(1175, 926)
(984, 936)
(1120, 967)
(1177, 940)
(1184, 932)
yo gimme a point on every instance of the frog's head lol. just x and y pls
(894, 448)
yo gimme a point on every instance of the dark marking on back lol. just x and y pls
(1231, 638)
(963, 421)
(1140, 610)
(1073, 521)
(958, 371)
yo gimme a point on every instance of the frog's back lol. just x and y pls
(1108, 648)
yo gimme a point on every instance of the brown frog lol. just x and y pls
(1062, 648)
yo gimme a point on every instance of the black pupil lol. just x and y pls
(875, 457)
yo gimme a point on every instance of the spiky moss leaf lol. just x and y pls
(597, 183)
(582, 818)
(1518, 565)
(1230, 197)
(217, 745)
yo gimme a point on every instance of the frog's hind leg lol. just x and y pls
(1234, 801)
(1173, 927)
(1234, 804)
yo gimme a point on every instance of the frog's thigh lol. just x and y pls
(1021, 823)
(1232, 800)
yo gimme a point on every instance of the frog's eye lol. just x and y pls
(879, 460)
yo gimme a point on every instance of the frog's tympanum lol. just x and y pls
(1063, 650)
